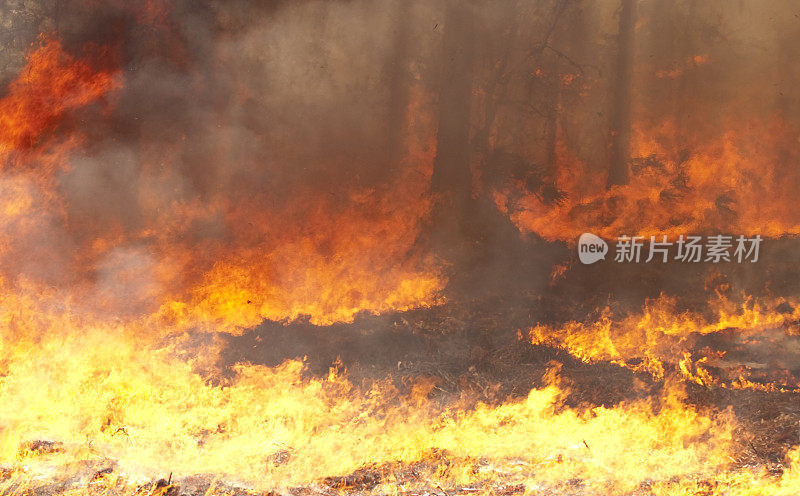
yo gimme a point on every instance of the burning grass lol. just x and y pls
(97, 409)
(113, 311)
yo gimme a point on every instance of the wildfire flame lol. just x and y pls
(108, 322)
(736, 182)
(661, 335)
(230, 285)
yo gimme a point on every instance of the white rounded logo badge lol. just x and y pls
(591, 248)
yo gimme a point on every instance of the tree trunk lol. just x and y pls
(452, 181)
(397, 74)
(621, 121)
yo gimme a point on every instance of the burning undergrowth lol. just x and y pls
(104, 396)
(747, 345)
(141, 207)
(676, 187)
(223, 267)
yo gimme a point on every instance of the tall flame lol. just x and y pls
(315, 256)
(738, 182)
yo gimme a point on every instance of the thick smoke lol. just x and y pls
(247, 141)
(272, 160)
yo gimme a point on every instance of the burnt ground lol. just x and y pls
(471, 343)
(494, 365)
(471, 347)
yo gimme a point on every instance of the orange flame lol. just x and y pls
(316, 257)
(739, 182)
(661, 336)
(52, 85)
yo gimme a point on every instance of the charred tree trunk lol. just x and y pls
(551, 136)
(786, 66)
(397, 75)
(621, 120)
(452, 180)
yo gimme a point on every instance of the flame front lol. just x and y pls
(247, 270)
(120, 271)
(737, 181)
(104, 395)
(662, 335)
